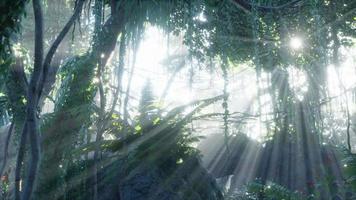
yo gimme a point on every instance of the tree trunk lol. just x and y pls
(59, 137)
(48, 77)
(6, 152)
(31, 110)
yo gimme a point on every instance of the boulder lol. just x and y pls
(188, 181)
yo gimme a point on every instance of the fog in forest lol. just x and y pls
(177, 99)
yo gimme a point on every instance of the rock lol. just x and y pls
(189, 181)
(145, 184)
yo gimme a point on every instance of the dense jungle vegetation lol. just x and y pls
(177, 99)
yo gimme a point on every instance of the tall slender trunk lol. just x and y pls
(6, 148)
(60, 136)
(306, 150)
(98, 12)
(99, 135)
(32, 99)
(6, 151)
(19, 160)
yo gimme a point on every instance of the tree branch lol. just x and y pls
(30, 125)
(55, 45)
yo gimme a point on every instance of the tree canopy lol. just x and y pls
(177, 99)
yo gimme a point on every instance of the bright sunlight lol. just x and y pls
(177, 100)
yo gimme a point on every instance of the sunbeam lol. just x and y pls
(183, 100)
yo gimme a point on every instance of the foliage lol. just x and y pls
(211, 29)
(269, 191)
(10, 17)
(263, 37)
(61, 129)
(11, 12)
(350, 168)
(168, 130)
(167, 143)
(148, 111)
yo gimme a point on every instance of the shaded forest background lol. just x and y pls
(177, 99)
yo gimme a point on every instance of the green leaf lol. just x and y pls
(138, 128)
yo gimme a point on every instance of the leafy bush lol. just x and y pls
(270, 191)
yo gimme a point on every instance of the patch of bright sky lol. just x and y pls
(296, 43)
(298, 82)
(150, 65)
(342, 79)
(201, 17)
(346, 72)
